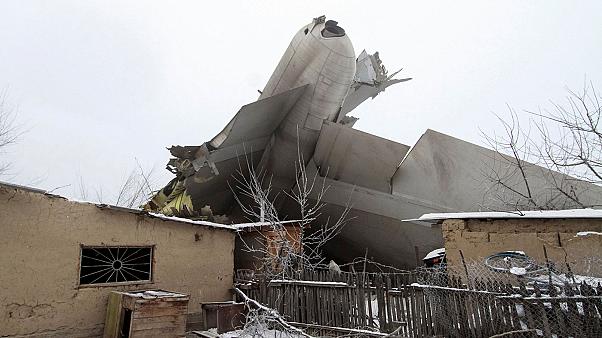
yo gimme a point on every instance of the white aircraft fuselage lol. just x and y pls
(320, 56)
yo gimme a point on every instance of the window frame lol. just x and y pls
(139, 282)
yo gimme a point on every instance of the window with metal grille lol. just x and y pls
(101, 265)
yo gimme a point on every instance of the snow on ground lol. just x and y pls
(258, 332)
(592, 281)
(563, 278)
(588, 233)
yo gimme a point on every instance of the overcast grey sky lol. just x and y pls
(100, 83)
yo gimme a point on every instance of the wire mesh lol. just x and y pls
(511, 296)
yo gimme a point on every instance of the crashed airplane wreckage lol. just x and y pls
(304, 109)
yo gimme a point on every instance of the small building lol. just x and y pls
(60, 260)
(260, 243)
(572, 237)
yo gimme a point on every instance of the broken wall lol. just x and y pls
(480, 238)
(40, 257)
(254, 243)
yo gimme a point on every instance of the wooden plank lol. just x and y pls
(368, 302)
(416, 322)
(470, 314)
(113, 315)
(482, 317)
(152, 311)
(321, 306)
(314, 307)
(361, 301)
(427, 314)
(459, 301)
(405, 310)
(303, 304)
(352, 304)
(159, 333)
(496, 316)
(380, 303)
(388, 304)
(346, 309)
(165, 322)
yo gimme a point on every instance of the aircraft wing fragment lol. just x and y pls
(258, 119)
(358, 158)
(202, 171)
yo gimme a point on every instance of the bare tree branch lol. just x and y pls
(10, 131)
(283, 252)
(565, 153)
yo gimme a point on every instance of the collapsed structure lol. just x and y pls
(301, 121)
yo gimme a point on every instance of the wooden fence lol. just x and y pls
(386, 302)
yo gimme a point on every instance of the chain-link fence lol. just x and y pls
(510, 295)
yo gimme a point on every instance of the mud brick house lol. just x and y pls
(60, 260)
(571, 237)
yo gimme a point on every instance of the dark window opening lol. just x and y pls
(124, 330)
(306, 31)
(100, 265)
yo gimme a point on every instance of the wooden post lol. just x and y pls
(465, 270)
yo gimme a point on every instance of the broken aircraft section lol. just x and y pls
(303, 113)
(317, 80)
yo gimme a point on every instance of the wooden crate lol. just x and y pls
(225, 316)
(149, 313)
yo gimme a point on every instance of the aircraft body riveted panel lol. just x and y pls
(356, 157)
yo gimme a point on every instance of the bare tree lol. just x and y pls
(9, 130)
(553, 163)
(134, 191)
(282, 251)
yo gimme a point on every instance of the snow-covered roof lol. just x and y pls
(190, 221)
(261, 224)
(119, 208)
(547, 214)
(234, 227)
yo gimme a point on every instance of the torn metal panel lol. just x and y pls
(258, 119)
(303, 99)
(371, 78)
(356, 157)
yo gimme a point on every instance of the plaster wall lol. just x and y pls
(480, 238)
(40, 252)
